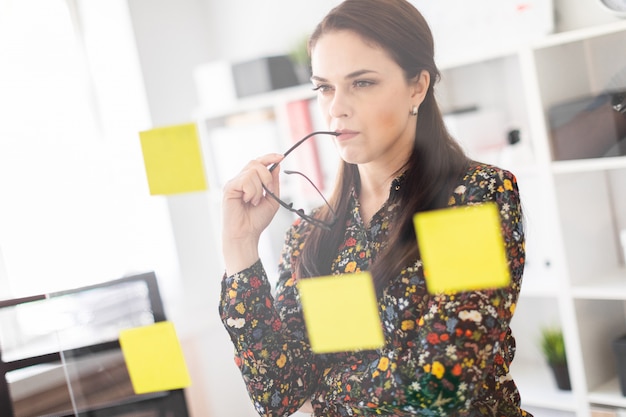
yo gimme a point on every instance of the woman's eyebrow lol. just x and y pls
(350, 76)
(358, 73)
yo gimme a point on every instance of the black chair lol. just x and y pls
(89, 380)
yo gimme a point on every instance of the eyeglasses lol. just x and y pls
(327, 225)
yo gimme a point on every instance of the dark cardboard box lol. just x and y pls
(263, 75)
(587, 127)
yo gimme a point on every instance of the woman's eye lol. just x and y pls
(322, 88)
(362, 83)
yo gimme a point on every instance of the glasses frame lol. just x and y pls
(289, 206)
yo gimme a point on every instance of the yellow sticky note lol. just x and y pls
(462, 248)
(154, 358)
(173, 159)
(341, 313)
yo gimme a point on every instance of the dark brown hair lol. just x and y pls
(436, 162)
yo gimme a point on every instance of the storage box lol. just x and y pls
(264, 74)
(587, 127)
(619, 347)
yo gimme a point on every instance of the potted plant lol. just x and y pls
(299, 55)
(553, 347)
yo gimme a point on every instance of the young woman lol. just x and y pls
(444, 354)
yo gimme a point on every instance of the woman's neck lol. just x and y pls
(374, 190)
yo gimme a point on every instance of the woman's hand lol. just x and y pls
(247, 211)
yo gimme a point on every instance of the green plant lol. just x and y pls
(299, 53)
(553, 345)
(299, 56)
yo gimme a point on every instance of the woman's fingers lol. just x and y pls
(269, 178)
(252, 192)
(246, 211)
(253, 177)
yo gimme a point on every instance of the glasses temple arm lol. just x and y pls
(314, 186)
(298, 143)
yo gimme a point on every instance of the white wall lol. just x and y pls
(172, 37)
(248, 29)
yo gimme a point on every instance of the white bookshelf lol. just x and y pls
(575, 276)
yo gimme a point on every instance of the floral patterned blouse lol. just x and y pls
(444, 354)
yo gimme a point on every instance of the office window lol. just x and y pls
(74, 202)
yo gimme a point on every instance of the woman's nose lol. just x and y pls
(339, 106)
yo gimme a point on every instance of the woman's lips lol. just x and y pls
(346, 134)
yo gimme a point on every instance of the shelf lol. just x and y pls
(588, 165)
(538, 389)
(608, 394)
(579, 35)
(259, 101)
(609, 287)
(466, 59)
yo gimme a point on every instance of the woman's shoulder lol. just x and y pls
(480, 171)
(481, 182)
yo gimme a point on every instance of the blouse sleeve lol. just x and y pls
(271, 349)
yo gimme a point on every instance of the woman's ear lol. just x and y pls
(419, 87)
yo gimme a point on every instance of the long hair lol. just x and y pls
(436, 161)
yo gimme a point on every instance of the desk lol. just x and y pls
(63, 358)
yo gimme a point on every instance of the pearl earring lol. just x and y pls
(414, 111)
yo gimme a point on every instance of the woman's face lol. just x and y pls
(364, 94)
